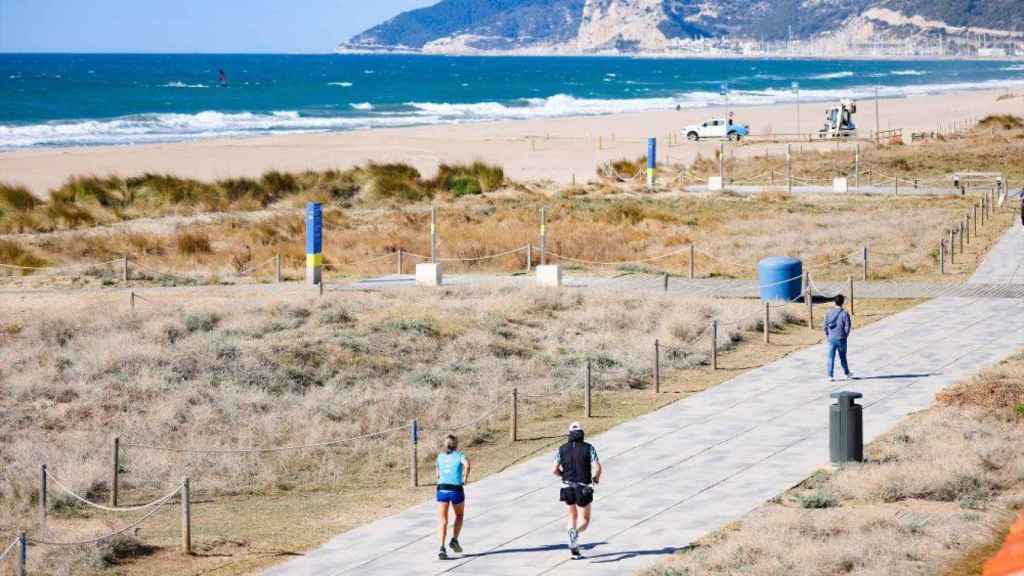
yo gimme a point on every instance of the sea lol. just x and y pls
(49, 100)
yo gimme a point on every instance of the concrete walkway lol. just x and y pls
(681, 472)
(989, 285)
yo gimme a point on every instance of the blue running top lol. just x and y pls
(450, 467)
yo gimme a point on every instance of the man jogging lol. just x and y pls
(837, 329)
(452, 476)
(577, 465)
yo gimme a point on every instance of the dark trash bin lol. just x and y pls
(846, 428)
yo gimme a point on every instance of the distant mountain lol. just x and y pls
(594, 26)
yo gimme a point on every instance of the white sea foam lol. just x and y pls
(833, 76)
(362, 106)
(342, 84)
(172, 127)
(908, 73)
(144, 128)
(1016, 68)
(182, 85)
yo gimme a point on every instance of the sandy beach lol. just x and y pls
(555, 149)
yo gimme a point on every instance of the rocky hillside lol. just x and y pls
(589, 26)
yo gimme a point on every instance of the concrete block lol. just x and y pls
(428, 274)
(550, 275)
(715, 183)
(840, 185)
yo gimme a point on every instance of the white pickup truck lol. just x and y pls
(717, 128)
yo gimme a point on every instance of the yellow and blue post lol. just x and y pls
(314, 243)
(652, 160)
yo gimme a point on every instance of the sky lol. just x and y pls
(189, 25)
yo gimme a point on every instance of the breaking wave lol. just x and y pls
(832, 76)
(149, 128)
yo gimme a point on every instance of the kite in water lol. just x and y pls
(222, 79)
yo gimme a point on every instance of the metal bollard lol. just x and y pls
(846, 428)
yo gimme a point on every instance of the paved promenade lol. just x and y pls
(683, 471)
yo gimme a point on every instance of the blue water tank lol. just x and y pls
(780, 278)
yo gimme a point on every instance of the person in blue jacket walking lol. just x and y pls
(837, 327)
(452, 476)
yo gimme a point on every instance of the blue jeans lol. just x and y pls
(840, 347)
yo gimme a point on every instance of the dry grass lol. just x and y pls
(932, 496)
(230, 369)
(996, 144)
(731, 234)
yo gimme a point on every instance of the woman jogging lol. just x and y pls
(452, 475)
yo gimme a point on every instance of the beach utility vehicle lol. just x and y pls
(716, 128)
(839, 121)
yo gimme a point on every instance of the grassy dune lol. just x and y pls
(931, 498)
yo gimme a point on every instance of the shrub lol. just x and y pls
(14, 197)
(817, 499)
(279, 184)
(1003, 121)
(453, 177)
(244, 189)
(14, 254)
(1020, 410)
(394, 187)
(190, 243)
(464, 186)
(201, 321)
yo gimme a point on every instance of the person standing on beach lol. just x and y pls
(576, 463)
(837, 327)
(452, 476)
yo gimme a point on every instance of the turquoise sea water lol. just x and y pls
(78, 100)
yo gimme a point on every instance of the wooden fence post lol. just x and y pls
(543, 236)
(692, 265)
(433, 234)
(942, 256)
(124, 272)
(401, 263)
(767, 321)
(714, 344)
(22, 553)
(132, 300)
(529, 257)
(586, 393)
(974, 219)
(809, 298)
(789, 168)
(414, 473)
(952, 246)
(115, 471)
(42, 499)
(864, 263)
(277, 268)
(514, 420)
(849, 283)
(666, 282)
(321, 288)
(186, 519)
(960, 237)
(657, 367)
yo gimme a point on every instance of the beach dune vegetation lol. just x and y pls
(91, 200)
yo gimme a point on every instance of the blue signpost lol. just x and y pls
(652, 160)
(314, 243)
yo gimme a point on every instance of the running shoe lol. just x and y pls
(454, 545)
(443, 554)
(575, 551)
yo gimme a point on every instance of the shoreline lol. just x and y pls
(558, 149)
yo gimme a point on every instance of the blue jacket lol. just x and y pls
(837, 324)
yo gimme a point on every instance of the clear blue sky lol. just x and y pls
(189, 25)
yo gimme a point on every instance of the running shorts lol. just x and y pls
(452, 496)
(577, 495)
